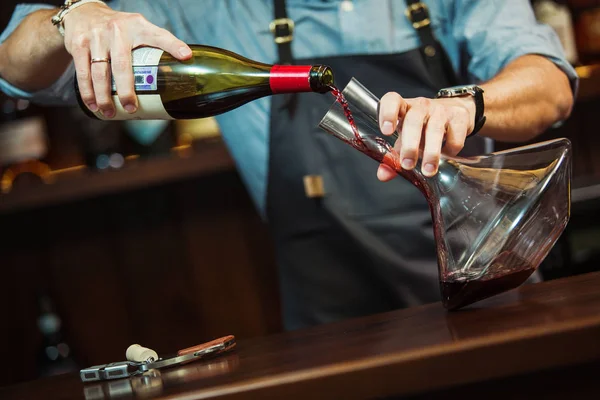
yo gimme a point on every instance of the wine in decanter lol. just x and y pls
(495, 217)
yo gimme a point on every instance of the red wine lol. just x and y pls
(375, 147)
(507, 271)
(341, 99)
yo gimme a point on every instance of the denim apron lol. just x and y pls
(366, 246)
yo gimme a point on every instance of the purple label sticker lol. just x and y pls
(145, 78)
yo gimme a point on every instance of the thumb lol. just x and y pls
(385, 173)
(166, 41)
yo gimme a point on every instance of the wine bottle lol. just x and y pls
(212, 82)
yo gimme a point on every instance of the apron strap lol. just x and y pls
(283, 31)
(435, 57)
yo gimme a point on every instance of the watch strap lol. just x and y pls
(471, 90)
(478, 125)
(479, 111)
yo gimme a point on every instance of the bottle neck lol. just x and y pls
(300, 78)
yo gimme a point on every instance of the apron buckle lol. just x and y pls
(282, 29)
(313, 186)
(418, 15)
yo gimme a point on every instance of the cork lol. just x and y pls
(137, 353)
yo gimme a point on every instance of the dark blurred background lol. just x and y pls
(114, 234)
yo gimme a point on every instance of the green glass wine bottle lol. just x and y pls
(212, 82)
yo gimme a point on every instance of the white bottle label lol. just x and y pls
(145, 71)
(146, 56)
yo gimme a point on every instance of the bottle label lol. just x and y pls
(145, 62)
(146, 56)
(145, 79)
(145, 71)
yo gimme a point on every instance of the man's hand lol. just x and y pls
(519, 105)
(424, 124)
(96, 31)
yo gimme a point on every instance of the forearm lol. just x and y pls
(522, 101)
(525, 99)
(34, 56)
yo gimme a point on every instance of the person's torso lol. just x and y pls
(322, 28)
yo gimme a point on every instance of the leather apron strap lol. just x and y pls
(435, 56)
(283, 31)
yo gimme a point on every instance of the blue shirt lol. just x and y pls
(480, 36)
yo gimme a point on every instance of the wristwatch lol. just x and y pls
(469, 90)
(67, 7)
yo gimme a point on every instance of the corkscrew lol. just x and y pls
(141, 359)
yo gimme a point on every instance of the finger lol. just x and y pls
(81, 58)
(101, 76)
(391, 107)
(385, 173)
(102, 88)
(122, 71)
(456, 133)
(412, 129)
(434, 137)
(163, 39)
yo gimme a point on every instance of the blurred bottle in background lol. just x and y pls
(556, 14)
(101, 142)
(149, 138)
(107, 145)
(54, 355)
(23, 144)
(586, 17)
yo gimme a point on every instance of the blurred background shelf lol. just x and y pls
(585, 189)
(589, 86)
(78, 183)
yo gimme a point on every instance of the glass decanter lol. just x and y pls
(495, 217)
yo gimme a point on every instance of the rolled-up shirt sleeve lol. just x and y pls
(493, 33)
(62, 91)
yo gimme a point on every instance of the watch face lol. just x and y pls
(456, 91)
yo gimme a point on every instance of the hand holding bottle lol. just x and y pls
(96, 32)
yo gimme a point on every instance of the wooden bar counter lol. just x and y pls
(538, 341)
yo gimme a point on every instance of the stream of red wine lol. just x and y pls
(375, 147)
(341, 99)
